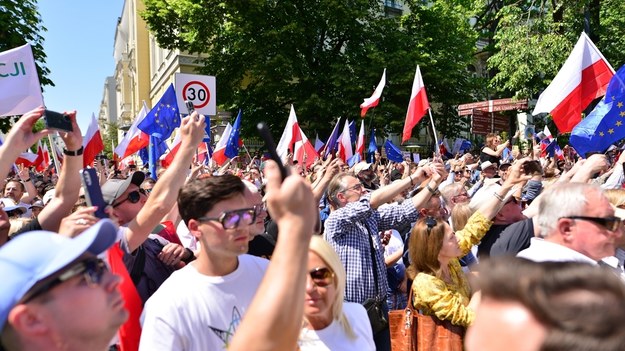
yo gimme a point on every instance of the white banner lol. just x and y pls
(20, 91)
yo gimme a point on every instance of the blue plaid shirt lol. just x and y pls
(348, 228)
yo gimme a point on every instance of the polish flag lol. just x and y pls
(294, 139)
(26, 158)
(345, 144)
(219, 156)
(417, 106)
(203, 153)
(43, 160)
(360, 143)
(375, 98)
(92, 142)
(135, 139)
(168, 158)
(583, 77)
(318, 143)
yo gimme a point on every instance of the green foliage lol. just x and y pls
(323, 56)
(110, 135)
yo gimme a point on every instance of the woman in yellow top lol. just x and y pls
(440, 287)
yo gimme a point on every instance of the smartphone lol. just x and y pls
(57, 121)
(93, 192)
(190, 107)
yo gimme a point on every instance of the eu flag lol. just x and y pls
(605, 125)
(392, 152)
(232, 147)
(161, 121)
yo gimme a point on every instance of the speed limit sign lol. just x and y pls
(198, 89)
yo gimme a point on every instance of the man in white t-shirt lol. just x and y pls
(200, 306)
(577, 223)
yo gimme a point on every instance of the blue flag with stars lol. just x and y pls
(605, 125)
(392, 152)
(161, 121)
(232, 147)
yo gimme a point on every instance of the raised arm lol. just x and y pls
(20, 138)
(68, 186)
(279, 301)
(165, 191)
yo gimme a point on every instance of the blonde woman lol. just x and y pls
(493, 148)
(329, 322)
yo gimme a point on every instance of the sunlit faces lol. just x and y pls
(320, 291)
(450, 247)
(125, 210)
(255, 200)
(80, 308)
(352, 189)
(13, 190)
(220, 242)
(516, 328)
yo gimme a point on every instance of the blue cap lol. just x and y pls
(36, 255)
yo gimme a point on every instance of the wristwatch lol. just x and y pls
(73, 153)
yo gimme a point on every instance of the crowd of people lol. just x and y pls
(207, 258)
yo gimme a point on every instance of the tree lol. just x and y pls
(20, 23)
(323, 56)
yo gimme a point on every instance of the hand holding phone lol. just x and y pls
(57, 121)
(93, 192)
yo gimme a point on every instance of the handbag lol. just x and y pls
(403, 327)
(434, 334)
(374, 306)
(376, 315)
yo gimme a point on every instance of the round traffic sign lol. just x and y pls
(196, 92)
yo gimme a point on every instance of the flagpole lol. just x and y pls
(56, 161)
(248, 153)
(436, 149)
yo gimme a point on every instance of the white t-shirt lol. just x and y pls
(541, 250)
(333, 336)
(192, 311)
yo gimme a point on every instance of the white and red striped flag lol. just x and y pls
(375, 98)
(294, 139)
(345, 144)
(92, 142)
(360, 142)
(583, 77)
(135, 139)
(417, 106)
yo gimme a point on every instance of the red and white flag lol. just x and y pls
(92, 142)
(360, 143)
(318, 144)
(168, 158)
(583, 77)
(375, 98)
(345, 144)
(135, 139)
(43, 160)
(417, 107)
(20, 91)
(219, 156)
(26, 158)
(294, 139)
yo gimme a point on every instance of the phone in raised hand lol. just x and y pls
(93, 192)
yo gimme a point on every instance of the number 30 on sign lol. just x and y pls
(199, 89)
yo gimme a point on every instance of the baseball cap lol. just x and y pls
(113, 188)
(486, 164)
(37, 204)
(36, 255)
(48, 196)
(9, 205)
(361, 166)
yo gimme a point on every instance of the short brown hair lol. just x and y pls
(200, 195)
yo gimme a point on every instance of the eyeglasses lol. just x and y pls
(133, 197)
(357, 187)
(610, 223)
(233, 219)
(321, 276)
(92, 270)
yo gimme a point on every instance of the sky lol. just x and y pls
(79, 48)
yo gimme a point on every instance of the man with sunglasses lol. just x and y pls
(56, 293)
(210, 295)
(576, 223)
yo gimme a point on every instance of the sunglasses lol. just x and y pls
(610, 223)
(321, 276)
(133, 197)
(357, 187)
(91, 269)
(234, 219)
